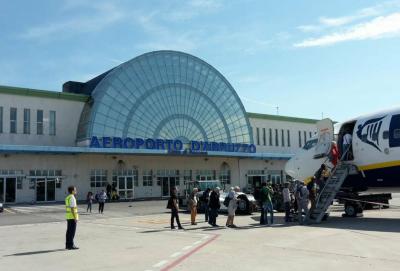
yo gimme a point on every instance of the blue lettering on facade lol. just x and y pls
(106, 142)
(170, 145)
(150, 144)
(94, 142)
(139, 142)
(117, 142)
(178, 145)
(169, 142)
(194, 146)
(129, 143)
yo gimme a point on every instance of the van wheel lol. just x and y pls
(350, 210)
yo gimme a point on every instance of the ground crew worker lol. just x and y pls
(72, 218)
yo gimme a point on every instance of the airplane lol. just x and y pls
(375, 150)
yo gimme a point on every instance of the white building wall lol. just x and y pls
(293, 127)
(76, 170)
(67, 119)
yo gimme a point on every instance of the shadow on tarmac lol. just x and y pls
(34, 252)
(361, 224)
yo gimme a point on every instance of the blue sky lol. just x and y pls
(340, 58)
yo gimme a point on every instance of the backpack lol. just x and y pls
(226, 201)
(169, 204)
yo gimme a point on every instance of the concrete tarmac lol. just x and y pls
(127, 241)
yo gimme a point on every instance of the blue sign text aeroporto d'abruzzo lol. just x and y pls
(175, 145)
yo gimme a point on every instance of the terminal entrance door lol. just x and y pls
(167, 184)
(125, 187)
(45, 190)
(8, 190)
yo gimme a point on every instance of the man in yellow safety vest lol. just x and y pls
(72, 217)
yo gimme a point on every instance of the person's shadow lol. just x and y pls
(34, 252)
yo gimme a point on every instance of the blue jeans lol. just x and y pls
(268, 208)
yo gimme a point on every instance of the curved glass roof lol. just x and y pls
(167, 95)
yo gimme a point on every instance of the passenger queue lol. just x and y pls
(296, 198)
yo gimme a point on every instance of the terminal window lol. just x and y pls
(13, 120)
(52, 123)
(39, 122)
(98, 178)
(27, 121)
(147, 178)
(270, 136)
(264, 137)
(288, 138)
(299, 139)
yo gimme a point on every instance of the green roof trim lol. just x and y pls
(281, 118)
(43, 93)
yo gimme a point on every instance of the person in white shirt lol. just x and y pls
(102, 200)
(303, 201)
(346, 146)
(233, 203)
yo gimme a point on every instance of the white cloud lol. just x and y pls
(331, 22)
(102, 15)
(379, 27)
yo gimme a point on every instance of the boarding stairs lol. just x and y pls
(328, 193)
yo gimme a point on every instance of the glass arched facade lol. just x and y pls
(166, 95)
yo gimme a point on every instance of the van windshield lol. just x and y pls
(310, 144)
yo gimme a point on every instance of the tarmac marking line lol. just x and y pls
(187, 247)
(160, 263)
(9, 211)
(190, 253)
(196, 243)
(176, 254)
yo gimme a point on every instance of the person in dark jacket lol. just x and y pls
(174, 206)
(214, 206)
(205, 198)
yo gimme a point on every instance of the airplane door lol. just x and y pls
(325, 138)
(394, 131)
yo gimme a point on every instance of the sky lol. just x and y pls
(309, 58)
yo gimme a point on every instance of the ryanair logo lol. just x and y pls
(369, 132)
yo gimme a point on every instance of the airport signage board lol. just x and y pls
(172, 146)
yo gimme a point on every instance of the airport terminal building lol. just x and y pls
(159, 120)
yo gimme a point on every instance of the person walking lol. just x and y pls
(232, 206)
(312, 192)
(286, 201)
(102, 199)
(303, 202)
(346, 147)
(72, 218)
(89, 201)
(214, 206)
(174, 206)
(267, 206)
(193, 205)
(109, 189)
(205, 200)
(334, 154)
